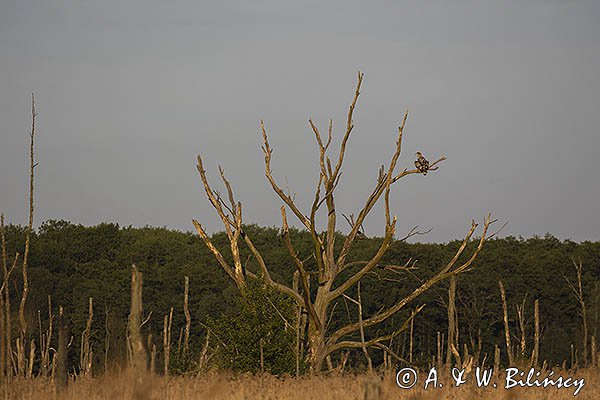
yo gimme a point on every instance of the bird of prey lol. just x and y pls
(421, 163)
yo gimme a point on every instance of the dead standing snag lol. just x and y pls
(330, 263)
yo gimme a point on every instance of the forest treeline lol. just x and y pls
(71, 263)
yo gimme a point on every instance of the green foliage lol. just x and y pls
(264, 321)
(72, 263)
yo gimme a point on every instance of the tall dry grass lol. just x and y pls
(223, 386)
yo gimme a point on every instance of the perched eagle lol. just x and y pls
(421, 163)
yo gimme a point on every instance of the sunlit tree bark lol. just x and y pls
(331, 283)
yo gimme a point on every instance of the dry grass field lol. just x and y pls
(221, 386)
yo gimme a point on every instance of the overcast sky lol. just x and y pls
(129, 92)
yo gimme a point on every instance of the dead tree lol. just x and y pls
(45, 342)
(106, 337)
(6, 352)
(138, 353)
(330, 263)
(168, 322)
(578, 294)
(522, 328)
(86, 352)
(10, 363)
(32, 165)
(509, 352)
(61, 376)
(188, 317)
(452, 319)
(7, 325)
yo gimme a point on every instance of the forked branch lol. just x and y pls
(445, 272)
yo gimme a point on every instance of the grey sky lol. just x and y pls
(129, 92)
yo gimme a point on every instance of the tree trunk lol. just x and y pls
(188, 317)
(521, 329)
(451, 320)
(7, 344)
(85, 356)
(168, 321)
(138, 353)
(506, 327)
(536, 343)
(61, 377)
(316, 347)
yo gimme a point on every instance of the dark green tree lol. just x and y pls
(260, 335)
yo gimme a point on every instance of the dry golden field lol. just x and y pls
(228, 387)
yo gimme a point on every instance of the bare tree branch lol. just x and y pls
(331, 260)
(443, 273)
(349, 127)
(286, 199)
(301, 270)
(378, 339)
(7, 275)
